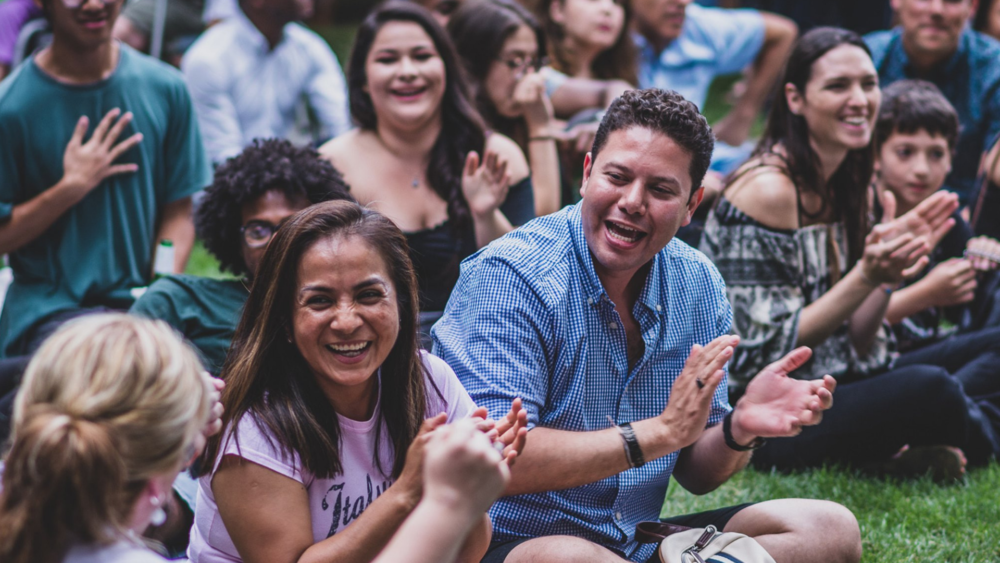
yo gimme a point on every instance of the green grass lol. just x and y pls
(910, 521)
(201, 263)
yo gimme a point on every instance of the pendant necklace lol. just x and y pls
(416, 182)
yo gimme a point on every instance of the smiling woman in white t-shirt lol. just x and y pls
(326, 400)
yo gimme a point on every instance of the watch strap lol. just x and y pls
(632, 449)
(727, 434)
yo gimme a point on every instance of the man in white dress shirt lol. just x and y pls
(249, 73)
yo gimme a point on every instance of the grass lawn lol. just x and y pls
(916, 521)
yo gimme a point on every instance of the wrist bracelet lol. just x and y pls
(727, 434)
(981, 254)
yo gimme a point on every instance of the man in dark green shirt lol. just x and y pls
(251, 196)
(99, 155)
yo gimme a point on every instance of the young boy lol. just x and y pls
(915, 136)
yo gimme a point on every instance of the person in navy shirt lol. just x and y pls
(616, 337)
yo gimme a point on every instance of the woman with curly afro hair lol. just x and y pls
(250, 197)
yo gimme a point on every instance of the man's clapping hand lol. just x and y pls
(775, 405)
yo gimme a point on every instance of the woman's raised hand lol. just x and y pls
(462, 469)
(214, 424)
(484, 184)
(511, 431)
(530, 97)
(931, 218)
(897, 248)
(410, 481)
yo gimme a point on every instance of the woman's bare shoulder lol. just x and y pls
(342, 149)
(517, 164)
(764, 191)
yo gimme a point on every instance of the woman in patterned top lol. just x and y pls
(803, 266)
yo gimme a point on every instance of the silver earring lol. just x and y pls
(159, 515)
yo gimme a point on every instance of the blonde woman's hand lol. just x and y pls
(410, 482)
(462, 469)
(484, 184)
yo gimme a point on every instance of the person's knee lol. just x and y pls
(802, 530)
(836, 521)
(562, 549)
(933, 390)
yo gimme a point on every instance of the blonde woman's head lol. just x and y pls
(108, 403)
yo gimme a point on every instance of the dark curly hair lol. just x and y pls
(666, 112)
(462, 129)
(265, 165)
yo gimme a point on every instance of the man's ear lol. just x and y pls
(794, 99)
(588, 167)
(692, 205)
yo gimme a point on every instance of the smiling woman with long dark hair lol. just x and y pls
(326, 400)
(421, 154)
(804, 266)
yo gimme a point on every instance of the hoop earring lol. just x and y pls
(159, 516)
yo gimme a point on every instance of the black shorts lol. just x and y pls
(719, 517)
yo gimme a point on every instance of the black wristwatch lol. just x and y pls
(727, 433)
(632, 449)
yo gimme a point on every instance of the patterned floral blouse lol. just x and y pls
(771, 275)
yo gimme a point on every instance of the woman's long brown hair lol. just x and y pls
(846, 191)
(266, 375)
(620, 61)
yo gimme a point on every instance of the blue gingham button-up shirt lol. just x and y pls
(529, 318)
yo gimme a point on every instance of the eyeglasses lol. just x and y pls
(74, 4)
(256, 234)
(446, 7)
(519, 64)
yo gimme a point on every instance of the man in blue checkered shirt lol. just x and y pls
(616, 339)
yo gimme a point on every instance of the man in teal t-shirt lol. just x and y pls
(99, 155)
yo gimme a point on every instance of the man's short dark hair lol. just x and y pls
(268, 164)
(666, 112)
(909, 106)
